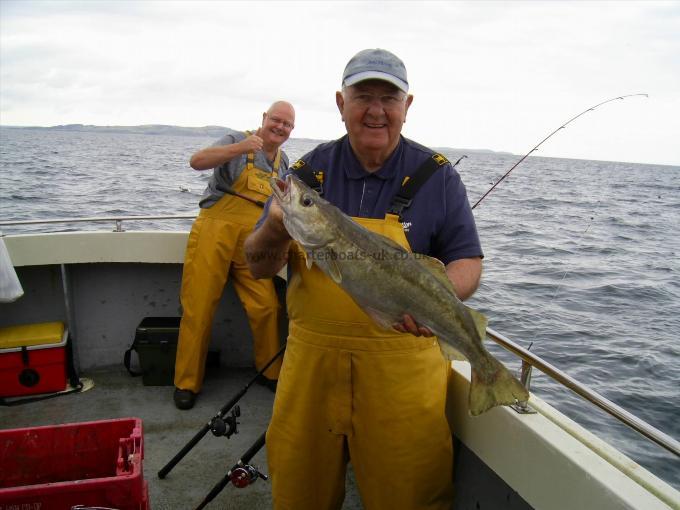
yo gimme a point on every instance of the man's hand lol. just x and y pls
(212, 157)
(408, 325)
(274, 220)
(266, 249)
(252, 143)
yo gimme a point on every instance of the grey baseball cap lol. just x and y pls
(376, 64)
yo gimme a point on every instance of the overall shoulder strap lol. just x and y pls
(277, 163)
(250, 157)
(404, 198)
(250, 161)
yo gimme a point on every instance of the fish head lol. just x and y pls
(305, 214)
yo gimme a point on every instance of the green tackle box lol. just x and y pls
(156, 345)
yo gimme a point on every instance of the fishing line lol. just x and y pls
(543, 309)
(496, 183)
(564, 125)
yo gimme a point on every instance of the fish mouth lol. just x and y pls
(281, 189)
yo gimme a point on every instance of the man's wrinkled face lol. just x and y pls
(277, 124)
(374, 112)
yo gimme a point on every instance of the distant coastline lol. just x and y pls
(204, 131)
(146, 129)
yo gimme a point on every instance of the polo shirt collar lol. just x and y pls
(354, 169)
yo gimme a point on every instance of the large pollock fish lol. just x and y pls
(387, 281)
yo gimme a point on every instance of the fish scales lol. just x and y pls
(387, 281)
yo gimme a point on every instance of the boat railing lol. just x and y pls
(586, 393)
(118, 220)
(528, 358)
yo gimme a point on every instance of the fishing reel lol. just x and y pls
(226, 426)
(245, 475)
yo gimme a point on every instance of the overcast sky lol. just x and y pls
(484, 75)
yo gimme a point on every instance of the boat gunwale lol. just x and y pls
(15, 240)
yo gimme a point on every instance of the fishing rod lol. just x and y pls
(218, 424)
(230, 191)
(240, 475)
(526, 376)
(459, 160)
(547, 137)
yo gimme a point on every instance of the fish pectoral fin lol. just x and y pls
(309, 260)
(297, 250)
(480, 321)
(334, 271)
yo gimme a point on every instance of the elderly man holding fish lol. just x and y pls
(351, 390)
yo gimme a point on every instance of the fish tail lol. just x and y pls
(495, 386)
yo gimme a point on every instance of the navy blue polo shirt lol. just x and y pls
(439, 222)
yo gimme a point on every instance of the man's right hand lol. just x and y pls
(212, 157)
(252, 143)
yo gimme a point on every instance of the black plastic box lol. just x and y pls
(156, 345)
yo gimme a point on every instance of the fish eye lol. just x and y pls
(306, 201)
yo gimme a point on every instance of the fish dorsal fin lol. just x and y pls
(480, 321)
(391, 244)
(437, 268)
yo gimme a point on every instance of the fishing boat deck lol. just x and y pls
(166, 430)
(101, 284)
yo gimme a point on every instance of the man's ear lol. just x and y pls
(409, 100)
(340, 101)
(264, 116)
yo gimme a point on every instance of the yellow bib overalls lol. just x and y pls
(215, 252)
(350, 390)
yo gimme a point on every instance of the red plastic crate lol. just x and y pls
(96, 463)
(32, 359)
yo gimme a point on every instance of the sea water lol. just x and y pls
(582, 258)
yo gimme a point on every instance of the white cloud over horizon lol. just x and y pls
(485, 75)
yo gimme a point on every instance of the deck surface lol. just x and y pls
(167, 430)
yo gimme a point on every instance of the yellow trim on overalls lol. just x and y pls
(351, 390)
(215, 253)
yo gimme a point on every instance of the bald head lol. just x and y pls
(281, 106)
(277, 123)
